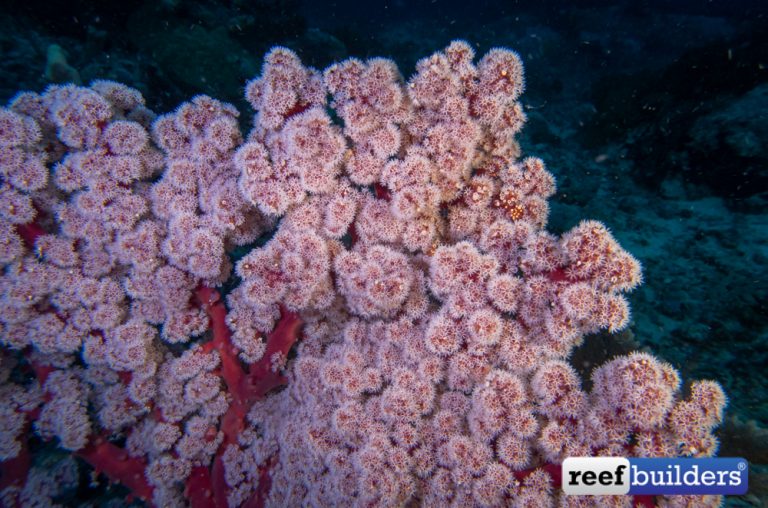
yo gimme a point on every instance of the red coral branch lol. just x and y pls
(231, 370)
(246, 387)
(13, 472)
(198, 488)
(262, 376)
(119, 467)
(381, 192)
(29, 233)
(259, 498)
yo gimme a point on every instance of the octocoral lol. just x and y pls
(408, 252)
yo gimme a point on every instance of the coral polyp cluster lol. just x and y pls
(404, 287)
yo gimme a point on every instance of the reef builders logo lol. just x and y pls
(681, 476)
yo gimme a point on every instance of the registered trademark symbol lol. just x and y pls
(742, 466)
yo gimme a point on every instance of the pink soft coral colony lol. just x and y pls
(409, 297)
